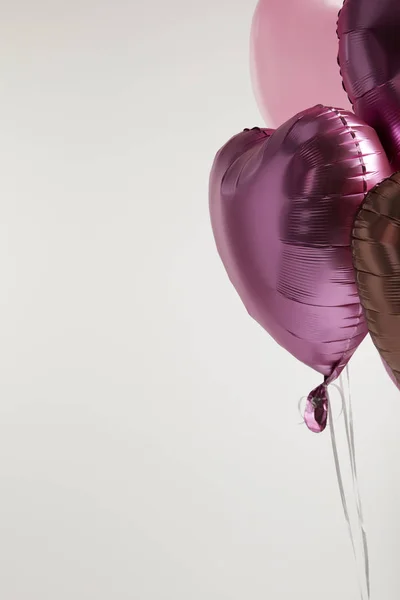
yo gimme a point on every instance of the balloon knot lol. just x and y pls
(316, 413)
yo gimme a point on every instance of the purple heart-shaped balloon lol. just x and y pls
(369, 60)
(282, 206)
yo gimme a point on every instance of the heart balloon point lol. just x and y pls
(282, 206)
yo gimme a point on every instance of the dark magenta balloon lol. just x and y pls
(369, 59)
(282, 207)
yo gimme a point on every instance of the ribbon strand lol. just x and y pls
(349, 427)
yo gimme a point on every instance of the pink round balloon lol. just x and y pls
(294, 58)
(282, 206)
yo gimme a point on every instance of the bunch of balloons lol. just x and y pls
(306, 217)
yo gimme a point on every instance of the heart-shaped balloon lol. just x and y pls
(369, 59)
(282, 208)
(376, 257)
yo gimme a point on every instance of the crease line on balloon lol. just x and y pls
(369, 209)
(380, 275)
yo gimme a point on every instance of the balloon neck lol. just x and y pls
(316, 413)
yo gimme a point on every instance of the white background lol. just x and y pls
(149, 439)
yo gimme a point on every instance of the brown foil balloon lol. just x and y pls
(376, 259)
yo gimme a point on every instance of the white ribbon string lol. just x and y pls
(348, 419)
